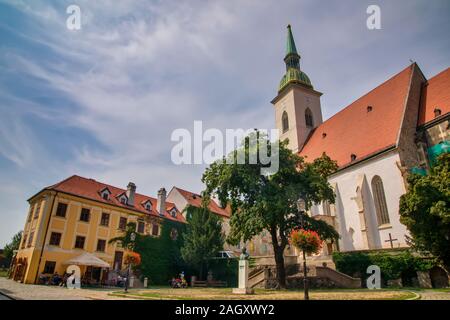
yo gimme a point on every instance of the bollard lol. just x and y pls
(131, 282)
(145, 282)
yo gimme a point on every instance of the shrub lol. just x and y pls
(393, 264)
(225, 270)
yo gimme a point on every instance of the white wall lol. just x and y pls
(346, 210)
(178, 200)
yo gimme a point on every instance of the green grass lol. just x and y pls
(3, 273)
(225, 293)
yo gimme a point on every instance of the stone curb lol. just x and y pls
(416, 296)
(7, 295)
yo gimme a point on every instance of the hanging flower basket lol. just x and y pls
(306, 240)
(133, 258)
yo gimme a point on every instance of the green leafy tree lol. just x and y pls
(11, 246)
(425, 210)
(259, 202)
(203, 238)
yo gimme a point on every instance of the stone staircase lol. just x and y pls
(321, 273)
(257, 276)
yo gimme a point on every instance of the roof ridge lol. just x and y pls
(381, 84)
(438, 74)
(106, 185)
(60, 182)
(178, 188)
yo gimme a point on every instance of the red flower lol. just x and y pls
(133, 258)
(306, 240)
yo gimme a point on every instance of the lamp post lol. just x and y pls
(301, 207)
(127, 281)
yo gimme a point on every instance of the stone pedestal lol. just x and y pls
(243, 287)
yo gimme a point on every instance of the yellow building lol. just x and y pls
(79, 215)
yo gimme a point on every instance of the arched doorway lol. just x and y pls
(439, 278)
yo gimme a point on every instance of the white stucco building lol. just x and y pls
(377, 140)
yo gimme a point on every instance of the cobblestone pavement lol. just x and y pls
(34, 292)
(433, 295)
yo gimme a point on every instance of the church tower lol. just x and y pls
(297, 105)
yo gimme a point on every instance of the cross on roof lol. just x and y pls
(391, 240)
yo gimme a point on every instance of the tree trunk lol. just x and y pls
(281, 272)
(279, 260)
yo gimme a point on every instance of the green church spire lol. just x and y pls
(290, 43)
(292, 60)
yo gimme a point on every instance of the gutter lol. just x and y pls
(133, 211)
(435, 121)
(373, 155)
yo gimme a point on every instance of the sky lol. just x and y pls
(102, 101)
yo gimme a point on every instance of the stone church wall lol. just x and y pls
(347, 208)
(407, 147)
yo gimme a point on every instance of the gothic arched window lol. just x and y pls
(285, 122)
(380, 200)
(309, 118)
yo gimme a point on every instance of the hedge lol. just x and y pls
(225, 270)
(393, 264)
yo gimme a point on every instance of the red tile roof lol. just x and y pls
(90, 189)
(435, 95)
(355, 130)
(196, 200)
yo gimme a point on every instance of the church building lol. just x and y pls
(397, 128)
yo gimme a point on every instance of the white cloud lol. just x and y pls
(139, 69)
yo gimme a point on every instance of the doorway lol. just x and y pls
(118, 257)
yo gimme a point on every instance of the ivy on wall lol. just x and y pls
(161, 258)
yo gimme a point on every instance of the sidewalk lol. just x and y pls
(37, 292)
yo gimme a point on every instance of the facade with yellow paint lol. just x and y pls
(81, 215)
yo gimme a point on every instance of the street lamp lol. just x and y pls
(127, 281)
(301, 207)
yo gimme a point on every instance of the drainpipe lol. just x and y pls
(45, 237)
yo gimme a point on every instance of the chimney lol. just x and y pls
(131, 190)
(161, 203)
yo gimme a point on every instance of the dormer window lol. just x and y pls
(173, 212)
(123, 199)
(148, 206)
(353, 157)
(369, 108)
(324, 135)
(437, 112)
(105, 193)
